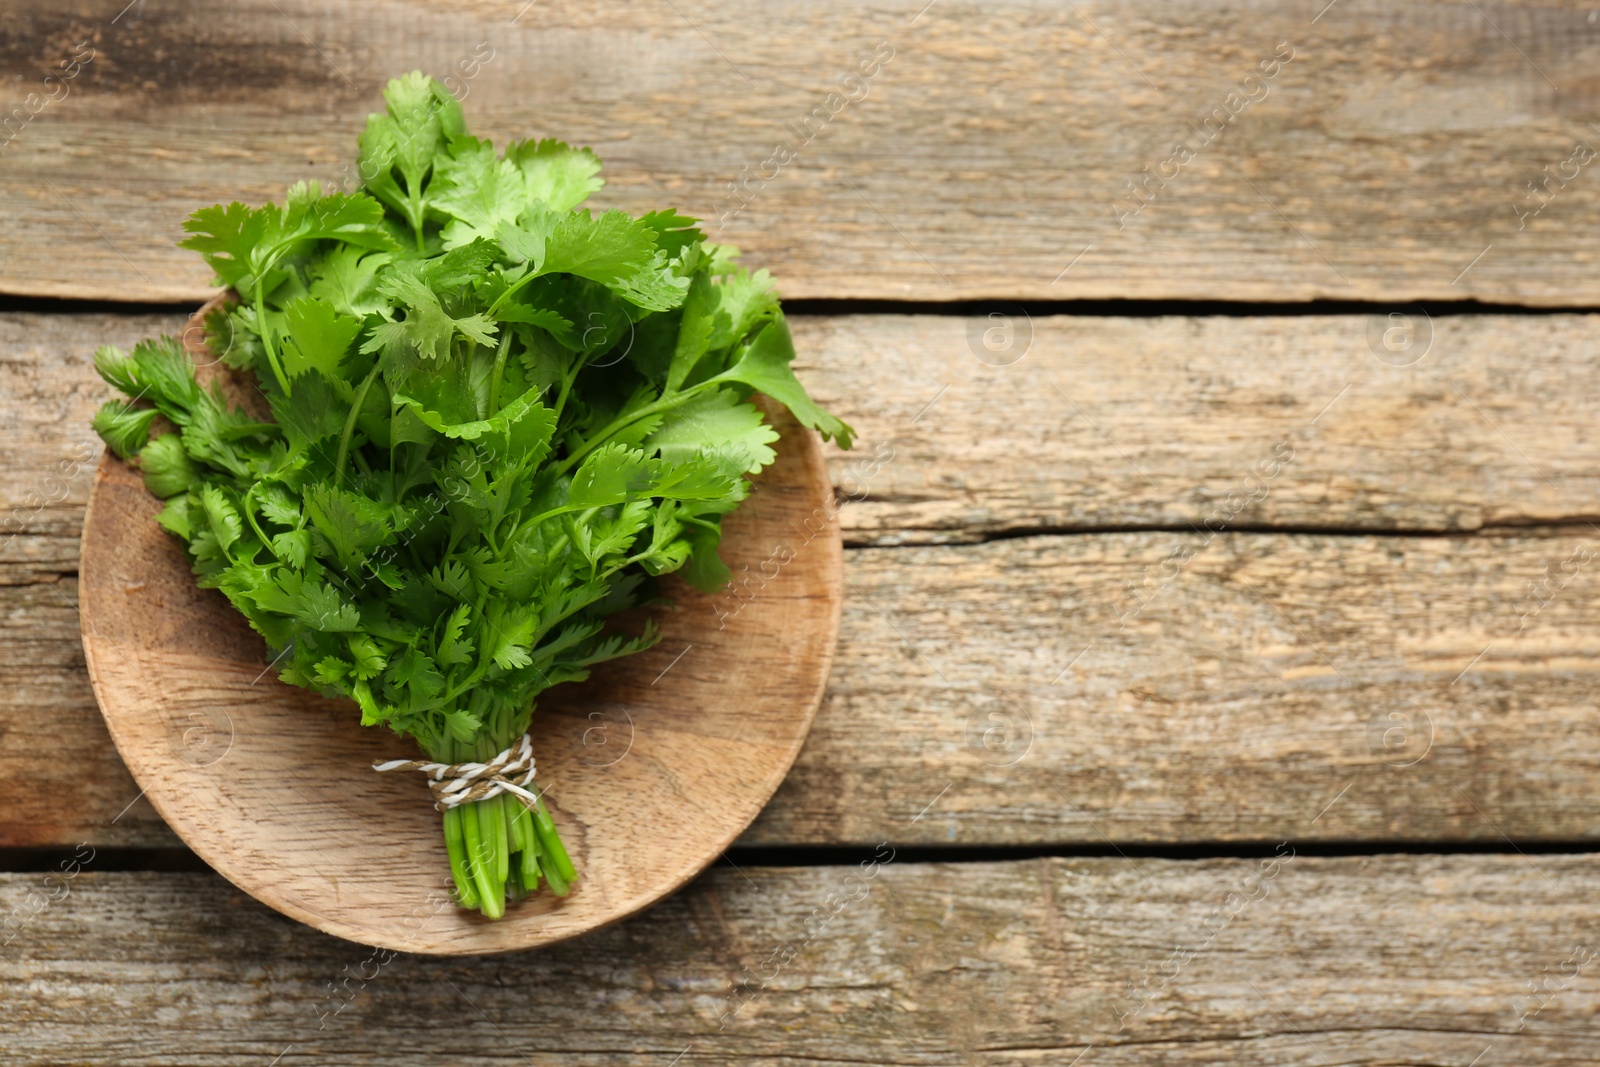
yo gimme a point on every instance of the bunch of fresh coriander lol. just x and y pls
(495, 418)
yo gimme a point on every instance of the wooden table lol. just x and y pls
(1219, 649)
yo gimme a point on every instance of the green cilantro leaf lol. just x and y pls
(319, 336)
(167, 468)
(720, 423)
(558, 176)
(124, 427)
(764, 364)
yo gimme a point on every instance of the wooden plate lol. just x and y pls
(652, 767)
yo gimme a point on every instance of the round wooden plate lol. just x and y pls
(652, 767)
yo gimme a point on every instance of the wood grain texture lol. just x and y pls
(1204, 422)
(1282, 686)
(1066, 689)
(273, 786)
(1101, 423)
(1203, 718)
(1393, 157)
(1421, 960)
(48, 392)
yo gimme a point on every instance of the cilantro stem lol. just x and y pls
(491, 903)
(550, 843)
(398, 492)
(622, 422)
(245, 503)
(266, 339)
(515, 287)
(530, 850)
(493, 812)
(414, 215)
(565, 509)
(486, 659)
(466, 889)
(499, 369)
(566, 387)
(350, 425)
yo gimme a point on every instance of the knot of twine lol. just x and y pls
(462, 783)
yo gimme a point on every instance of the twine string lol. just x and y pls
(454, 784)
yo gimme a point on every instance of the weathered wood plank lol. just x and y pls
(1101, 422)
(48, 393)
(1065, 690)
(1209, 422)
(66, 784)
(1157, 687)
(1424, 151)
(1374, 960)
(1168, 727)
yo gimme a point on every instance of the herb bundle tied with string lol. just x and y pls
(495, 418)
